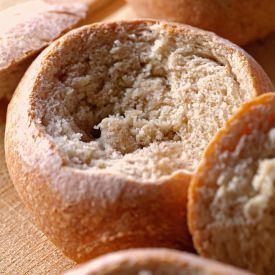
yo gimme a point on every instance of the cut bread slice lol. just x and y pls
(27, 28)
(232, 196)
(109, 124)
(154, 261)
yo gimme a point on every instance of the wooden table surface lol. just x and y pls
(23, 248)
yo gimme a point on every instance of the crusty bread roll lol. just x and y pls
(231, 207)
(110, 122)
(240, 21)
(26, 29)
(154, 262)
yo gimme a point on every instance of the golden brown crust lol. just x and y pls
(88, 214)
(198, 179)
(225, 142)
(154, 261)
(27, 34)
(238, 21)
(24, 35)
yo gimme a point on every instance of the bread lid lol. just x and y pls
(25, 34)
(231, 200)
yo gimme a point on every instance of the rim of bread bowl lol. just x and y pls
(54, 191)
(259, 81)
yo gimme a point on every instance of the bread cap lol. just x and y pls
(25, 34)
(108, 125)
(231, 200)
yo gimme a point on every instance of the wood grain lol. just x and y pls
(23, 248)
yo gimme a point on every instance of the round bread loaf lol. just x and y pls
(109, 124)
(232, 196)
(24, 34)
(154, 262)
(239, 21)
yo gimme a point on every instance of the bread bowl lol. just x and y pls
(238, 21)
(154, 261)
(24, 34)
(231, 201)
(98, 131)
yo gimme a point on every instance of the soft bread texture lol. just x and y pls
(110, 122)
(154, 262)
(24, 34)
(239, 21)
(231, 206)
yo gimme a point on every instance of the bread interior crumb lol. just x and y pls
(140, 101)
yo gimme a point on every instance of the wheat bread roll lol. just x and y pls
(154, 262)
(239, 21)
(26, 29)
(109, 124)
(231, 206)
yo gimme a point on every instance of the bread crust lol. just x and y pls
(24, 35)
(88, 214)
(238, 21)
(154, 261)
(208, 165)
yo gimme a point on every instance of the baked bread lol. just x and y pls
(110, 122)
(239, 21)
(24, 34)
(154, 261)
(231, 207)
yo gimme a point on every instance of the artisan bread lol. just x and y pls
(109, 124)
(240, 21)
(154, 261)
(231, 207)
(26, 29)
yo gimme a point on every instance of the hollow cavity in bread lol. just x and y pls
(142, 102)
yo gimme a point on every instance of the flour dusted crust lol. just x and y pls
(238, 21)
(108, 125)
(231, 201)
(24, 34)
(154, 262)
